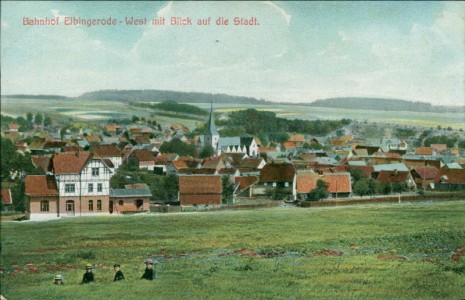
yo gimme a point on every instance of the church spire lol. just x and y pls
(211, 127)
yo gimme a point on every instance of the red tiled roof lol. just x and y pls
(200, 185)
(91, 138)
(136, 186)
(277, 173)
(40, 185)
(451, 176)
(338, 182)
(439, 147)
(267, 149)
(143, 155)
(111, 127)
(142, 139)
(392, 176)
(245, 182)
(250, 162)
(72, 148)
(306, 182)
(13, 126)
(424, 151)
(212, 163)
(108, 162)
(388, 154)
(426, 172)
(70, 162)
(337, 143)
(289, 145)
(41, 162)
(297, 138)
(179, 164)
(106, 151)
(200, 199)
(6, 196)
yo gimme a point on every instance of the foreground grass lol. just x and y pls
(389, 251)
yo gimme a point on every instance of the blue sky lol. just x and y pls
(300, 52)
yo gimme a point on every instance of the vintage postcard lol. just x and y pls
(232, 150)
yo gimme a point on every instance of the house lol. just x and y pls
(425, 151)
(43, 197)
(144, 158)
(200, 190)
(129, 200)
(424, 176)
(450, 179)
(93, 139)
(414, 161)
(110, 152)
(174, 167)
(13, 127)
(112, 129)
(7, 199)
(289, 146)
(246, 184)
(395, 176)
(162, 160)
(306, 181)
(277, 174)
(42, 162)
(213, 163)
(79, 186)
(242, 144)
(339, 184)
(298, 139)
(252, 163)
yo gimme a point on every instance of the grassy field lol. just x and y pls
(385, 251)
(86, 110)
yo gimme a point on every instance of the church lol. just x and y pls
(237, 144)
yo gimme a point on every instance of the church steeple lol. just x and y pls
(211, 127)
(211, 134)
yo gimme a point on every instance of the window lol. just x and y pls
(94, 171)
(99, 204)
(69, 188)
(99, 187)
(91, 205)
(44, 205)
(120, 202)
(90, 187)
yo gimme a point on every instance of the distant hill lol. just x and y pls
(42, 97)
(384, 104)
(161, 96)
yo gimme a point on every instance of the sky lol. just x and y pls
(298, 52)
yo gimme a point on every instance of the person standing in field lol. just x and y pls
(58, 279)
(149, 273)
(88, 275)
(118, 273)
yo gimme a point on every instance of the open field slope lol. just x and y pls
(92, 110)
(387, 251)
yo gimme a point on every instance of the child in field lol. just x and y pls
(88, 275)
(118, 273)
(58, 279)
(149, 272)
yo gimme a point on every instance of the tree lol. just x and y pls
(159, 127)
(29, 117)
(228, 191)
(362, 188)
(356, 175)
(47, 121)
(171, 187)
(135, 119)
(207, 151)
(38, 119)
(320, 192)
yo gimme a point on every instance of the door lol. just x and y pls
(70, 207)
(111, 207)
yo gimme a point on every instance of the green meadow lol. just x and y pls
(91, 111)
(395, 251)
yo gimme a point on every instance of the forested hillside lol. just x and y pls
(383, 104)
(161, 96)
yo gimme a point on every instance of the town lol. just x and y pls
(50, 171)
